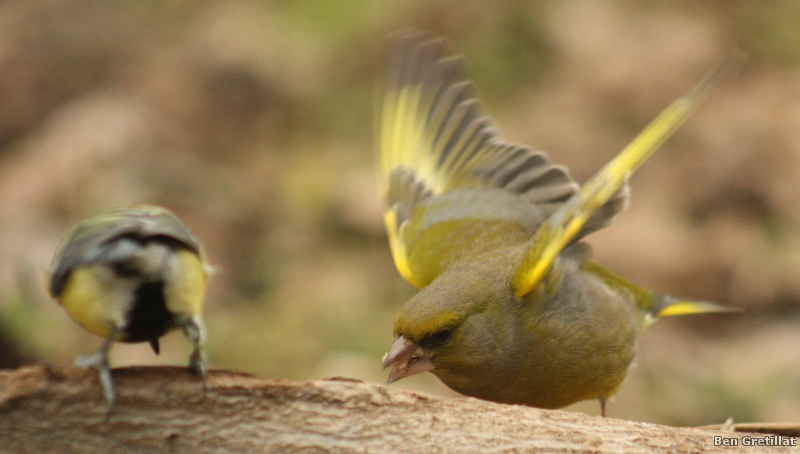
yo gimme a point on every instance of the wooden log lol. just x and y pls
(163, 409)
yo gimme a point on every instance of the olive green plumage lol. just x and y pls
(469, 218)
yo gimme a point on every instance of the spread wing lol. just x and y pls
(433, 139)
(82, 245)
(571, 219)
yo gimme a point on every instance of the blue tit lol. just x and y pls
(132, 274)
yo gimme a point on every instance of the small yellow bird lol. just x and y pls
(131, 275)
(510, 307)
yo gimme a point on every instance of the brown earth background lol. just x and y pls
(253, 122)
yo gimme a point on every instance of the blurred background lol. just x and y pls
(253, 122)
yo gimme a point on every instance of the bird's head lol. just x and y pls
(452, 324)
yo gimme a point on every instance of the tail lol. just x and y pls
(667, 306)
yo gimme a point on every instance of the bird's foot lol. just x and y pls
(197, 364)
(100, 362)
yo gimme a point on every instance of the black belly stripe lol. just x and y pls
(148, 319)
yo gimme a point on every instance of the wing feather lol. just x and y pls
(433, 138)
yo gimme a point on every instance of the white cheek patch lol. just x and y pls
(119, 293)
(151, 263)
(171, 268)
(155, 261)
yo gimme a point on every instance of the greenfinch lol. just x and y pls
(510, 308)
(131, 275)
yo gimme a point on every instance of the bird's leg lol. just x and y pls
(195, 331)
(603, 404)
(99, 361)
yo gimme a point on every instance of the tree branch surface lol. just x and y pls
(163, 409)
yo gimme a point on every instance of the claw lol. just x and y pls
(197, 364)
(194, 330)
(99, 361)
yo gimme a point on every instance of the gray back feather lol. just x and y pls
(86, 243)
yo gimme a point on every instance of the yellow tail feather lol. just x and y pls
(688, 307)
(670, 306)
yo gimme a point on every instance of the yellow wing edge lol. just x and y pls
(555, 234)
(398, 248)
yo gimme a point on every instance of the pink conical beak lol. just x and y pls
(407, 359)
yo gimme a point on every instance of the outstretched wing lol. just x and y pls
(569, 221)
(433, 138)
(432, 127)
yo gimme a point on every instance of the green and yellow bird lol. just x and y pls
(131, 275)
(510, 308)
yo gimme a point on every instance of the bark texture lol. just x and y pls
(163, 409)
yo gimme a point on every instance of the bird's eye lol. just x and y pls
(440, 337)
